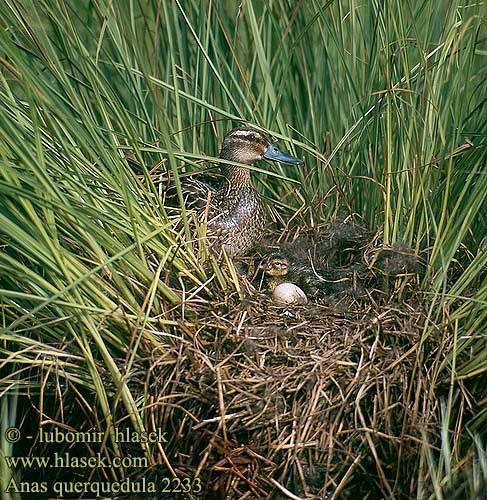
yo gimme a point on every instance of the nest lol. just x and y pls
(326, 400)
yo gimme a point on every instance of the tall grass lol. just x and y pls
(386, 100)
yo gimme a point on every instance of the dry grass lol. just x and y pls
(325, 399)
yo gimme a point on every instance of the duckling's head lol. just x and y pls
(248, 145)
(276, 266)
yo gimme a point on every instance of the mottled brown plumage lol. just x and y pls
(234, 210)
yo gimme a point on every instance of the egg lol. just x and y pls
(289, 293)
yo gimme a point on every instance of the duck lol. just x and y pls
(232, 208)
(314, 282)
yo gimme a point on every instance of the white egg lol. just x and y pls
(289, 293)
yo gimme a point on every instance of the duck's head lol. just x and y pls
(276, 265)
(248, 145)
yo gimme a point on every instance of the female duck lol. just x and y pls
(235, 211)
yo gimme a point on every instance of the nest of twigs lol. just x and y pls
(324, 400)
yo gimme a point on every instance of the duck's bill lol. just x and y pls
(273, 153)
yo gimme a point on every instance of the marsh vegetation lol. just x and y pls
(114, 317)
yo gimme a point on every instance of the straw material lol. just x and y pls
(324, 400)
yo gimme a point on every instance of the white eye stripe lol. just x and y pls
(245, 134)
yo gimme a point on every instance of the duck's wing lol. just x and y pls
(198, 191)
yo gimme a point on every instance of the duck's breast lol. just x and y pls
(241, 221)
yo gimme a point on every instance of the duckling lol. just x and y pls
(276, 270)
(234, 210)
(313, 282)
